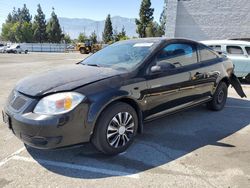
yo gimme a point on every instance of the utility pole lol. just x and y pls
(97, 31)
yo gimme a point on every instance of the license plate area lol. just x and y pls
(6, 119)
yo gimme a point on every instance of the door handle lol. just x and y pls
(198, 75)
(214, 73)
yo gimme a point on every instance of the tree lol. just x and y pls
(93, 37)
(120, 36)
(24, 32)
(82, 37)
(53, 29)
(24, 15)
(163, 20)
(39, 26)
(123, 33)
(9, 18)
(67, 39)
(107, 35)
(115, 35)
(146, 18)
(8, 33)
(17, 27)
(15, 15)
(154, 30)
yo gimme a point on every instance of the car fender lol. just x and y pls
(97, 107)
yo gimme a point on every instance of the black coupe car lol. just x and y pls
(106, 98)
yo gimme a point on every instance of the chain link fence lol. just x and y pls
(45, 47)
(42, 47)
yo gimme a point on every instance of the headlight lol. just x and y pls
(58, 103)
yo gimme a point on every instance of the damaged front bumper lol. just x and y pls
(234, 81)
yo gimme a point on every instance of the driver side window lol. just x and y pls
(177, 55)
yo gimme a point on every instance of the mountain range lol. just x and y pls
(74, 26)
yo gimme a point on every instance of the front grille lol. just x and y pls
(16, 101)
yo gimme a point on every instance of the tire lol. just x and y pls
(219, 99)
(26, 51)
(82, 51)
(115, 129)
(15, 52)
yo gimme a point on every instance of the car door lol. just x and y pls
(205, 75)
(173, 87)
(239, 57)
(18, 49)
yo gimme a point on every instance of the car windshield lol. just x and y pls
(123, 55)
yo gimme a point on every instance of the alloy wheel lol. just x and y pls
(120, 129)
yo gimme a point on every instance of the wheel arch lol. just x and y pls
(226, 80)
(128, 101)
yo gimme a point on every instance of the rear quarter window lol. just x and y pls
(248, 50)
(207, 54)
(235, 50)
(216, 47)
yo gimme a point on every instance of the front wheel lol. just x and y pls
(115, 129)
(82, 50)
(219, 99)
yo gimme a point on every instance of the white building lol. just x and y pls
(208, 19)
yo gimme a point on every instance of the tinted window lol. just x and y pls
(216, 48)
(236, 50)
(178, 54)
(248, 50)
(206, 54)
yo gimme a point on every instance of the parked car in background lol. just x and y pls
(3, 48)
(106, 98)
(236, 50)
(17, 48)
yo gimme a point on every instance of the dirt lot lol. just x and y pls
(195, 148)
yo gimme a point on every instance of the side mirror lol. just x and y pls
(156, 69)
(161, 67)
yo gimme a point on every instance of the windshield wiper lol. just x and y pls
(93, 65)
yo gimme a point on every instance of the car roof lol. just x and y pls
(225, 42)
(13, 45)
(160, 39)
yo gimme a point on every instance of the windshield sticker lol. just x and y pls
(145, 44)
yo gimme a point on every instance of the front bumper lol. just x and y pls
(48, 131)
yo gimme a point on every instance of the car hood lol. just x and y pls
(63, 79)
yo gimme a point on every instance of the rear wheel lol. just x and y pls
(115, 129)
(219, 99)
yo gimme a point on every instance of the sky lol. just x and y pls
(92, 9)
